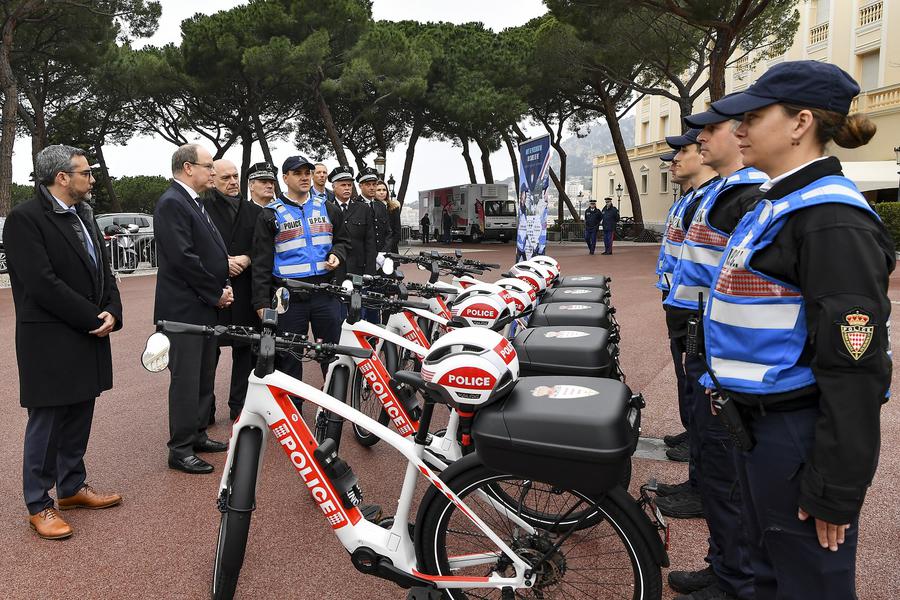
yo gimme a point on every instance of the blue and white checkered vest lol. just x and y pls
(701, 252)
(755, 325)
(303, 240)
(671, 242)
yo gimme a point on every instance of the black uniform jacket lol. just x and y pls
(393, 244)
(360, 225)
(840, 257)
(193, 260)
(382, 224)
(236, 230)
(58, 291)
(263, 256)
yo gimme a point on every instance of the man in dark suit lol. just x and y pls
(191, 286)
(235, 219)
(358, 222)
(368, 181)
(67, 303)
(318, 189)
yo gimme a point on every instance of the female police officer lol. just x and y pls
(797, 331)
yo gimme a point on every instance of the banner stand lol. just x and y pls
(534, 195)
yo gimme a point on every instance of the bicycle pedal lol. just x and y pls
(370, 512)
(423, 593)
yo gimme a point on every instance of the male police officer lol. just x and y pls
(591, 223)
(299, 237)
(359, 222)
(261, 178)
(609, 218)
(368, 181)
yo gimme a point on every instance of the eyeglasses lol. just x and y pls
(86, 173)
(208, 166)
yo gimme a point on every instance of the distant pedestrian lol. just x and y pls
(67, 303)
(591, 223)
(447, 223)
(609, 218)
(425, 225)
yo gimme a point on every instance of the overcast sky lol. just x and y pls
(436, 164)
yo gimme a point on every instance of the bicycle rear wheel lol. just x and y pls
(234, 527)
(607, 560)
(363, 399)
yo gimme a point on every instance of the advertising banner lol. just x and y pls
(534, 184)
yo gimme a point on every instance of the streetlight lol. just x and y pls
(619, 194)
(391, 183)
(580, 195)
(897, 152)
(379, 165)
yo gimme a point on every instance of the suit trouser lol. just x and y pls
(787, 561)
(192, 364)
(241, 364)
(56, 439)
(590, 238)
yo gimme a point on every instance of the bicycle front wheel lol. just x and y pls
(364, 399)
(234, 527)
(608, 559)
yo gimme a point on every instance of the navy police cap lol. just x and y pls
(668, 156)
(677, 142)
(807, 83)
(261, 170)
(367, 174)
(709, 116)
(292, 163)
(341, 173)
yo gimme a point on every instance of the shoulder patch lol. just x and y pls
(857, 332)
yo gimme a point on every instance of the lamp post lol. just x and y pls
(391, 183)
(619, 196)
(379, 165)
(897, 153)
(580, 196)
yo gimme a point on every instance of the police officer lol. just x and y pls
(368, 181)
(359, 223)
(797, 331)
(591, 223)
(609, 218)
(299, 237)
(728, 574)
(683, 500)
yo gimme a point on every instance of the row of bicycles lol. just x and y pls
(528, 477)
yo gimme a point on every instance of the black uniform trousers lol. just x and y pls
(785, 555)
(56, 438)
(688, 371)
(192, 364)
(320, 310)
(242, 362)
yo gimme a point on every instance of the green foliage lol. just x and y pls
(21, 193)
(139, 193)
(890, 216)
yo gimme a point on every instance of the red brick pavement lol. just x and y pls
(160, 542)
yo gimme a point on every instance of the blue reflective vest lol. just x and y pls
(671, 242)
(755, 324)
(701, 252)
(303, 240)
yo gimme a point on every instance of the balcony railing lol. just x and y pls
(870, 13)
(818, 34)
(881, 99)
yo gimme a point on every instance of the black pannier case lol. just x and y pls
(594, 314)
(574, 432)
(579, 351)
(589, 281)
(573, 294)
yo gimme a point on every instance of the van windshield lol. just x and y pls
(500, 208)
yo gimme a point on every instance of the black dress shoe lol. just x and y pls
(680, 453)
(673, 440)
(190, 464)
(686, 582)
(209, 445)
(665, 489)
(212, 419)
(681, 506)
(234, 413)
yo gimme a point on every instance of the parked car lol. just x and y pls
(139, 227)
(3, 267)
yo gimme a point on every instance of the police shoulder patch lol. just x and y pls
(857, 332)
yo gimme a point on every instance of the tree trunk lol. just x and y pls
(609, 113)
(325, 112)
(718, 58)
(563, 158)
(686, 107)
(417, 127)
(563, 196)
(115, 205)
(512, 160)
(10, 106)
(485, 160)
(246, 157)
(468, 159)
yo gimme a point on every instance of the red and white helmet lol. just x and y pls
(481, 310)
(486, 289)
(521, 292)
(531, 273)
(466, 281)
(549, 262)
(471, 366)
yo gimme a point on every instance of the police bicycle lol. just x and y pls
(461, 543)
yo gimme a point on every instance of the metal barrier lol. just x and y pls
(130, 252)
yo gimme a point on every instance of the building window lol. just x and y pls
(663, 126)
(664, 182)
(645, 132)
(645, 179)
(821, 7)
(868, 70)
(612, 186)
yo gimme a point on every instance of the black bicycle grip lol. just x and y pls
(350, 351)
(299, 285)
(413, 304)
(189, 328)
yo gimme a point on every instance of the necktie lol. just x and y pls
(87, 241)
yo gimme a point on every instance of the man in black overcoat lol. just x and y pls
(67, 303)
(235, 219)
(359, 222)
(191, 286)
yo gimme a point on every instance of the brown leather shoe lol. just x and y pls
(50, 525)
(88, 497)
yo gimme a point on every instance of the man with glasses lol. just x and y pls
(66, 303)
(192, 286)
(235, 219)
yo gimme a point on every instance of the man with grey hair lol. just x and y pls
(192, 286)
(67, 303)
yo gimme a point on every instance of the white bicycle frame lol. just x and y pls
(269, 408)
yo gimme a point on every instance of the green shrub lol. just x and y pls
(890, 215)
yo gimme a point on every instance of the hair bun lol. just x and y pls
(856, 131)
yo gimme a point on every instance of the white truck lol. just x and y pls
(478, 211)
